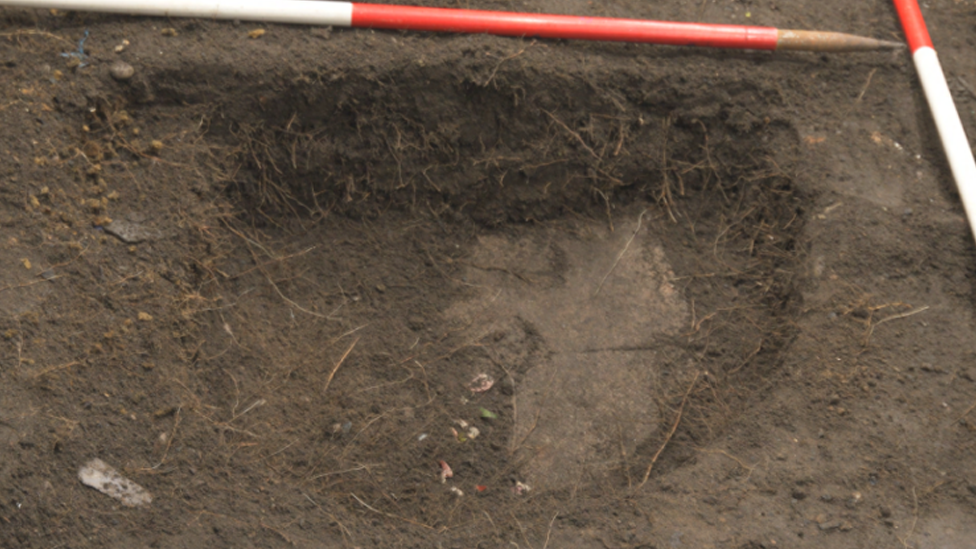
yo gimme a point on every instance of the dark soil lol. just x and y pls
(725, 297)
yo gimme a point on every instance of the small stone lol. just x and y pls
(828, 526)
(121, 71)
(127, 231)
(380, 288)
(846, 526)
(102, 477)
(145, 317)
(169, 32)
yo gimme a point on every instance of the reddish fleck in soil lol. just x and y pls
(725, 297)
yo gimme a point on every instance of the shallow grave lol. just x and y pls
(723, 298)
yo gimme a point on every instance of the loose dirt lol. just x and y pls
(724, 299)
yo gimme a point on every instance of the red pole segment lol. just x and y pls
(380, 16)
(911, 20)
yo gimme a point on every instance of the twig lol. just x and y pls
(500, 63)
(31, 32)
(966, 413)
(336, 369)
(607, 202)
(665, 194)
(522, 531)
(31, 283)
(169, 441)
(549, 532)
(574, 134)
(375, 510)
(255, 404)
(265, 273)
(344, 471)
(292, 303)
(54, 369)
(867, 84)
(871, 328)
(621, 254)
(674, 427)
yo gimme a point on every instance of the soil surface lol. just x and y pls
(342, 288)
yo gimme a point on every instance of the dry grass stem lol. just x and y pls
(502, 62)
(50, 369)
(574, 134)
(621, 254)
(31, 283)
(32, 32)
(674, 427)
(332, 374)
(867, 84)
(867, 337)
(390, 515)
(549, 532)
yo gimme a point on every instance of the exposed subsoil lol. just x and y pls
(722, 299)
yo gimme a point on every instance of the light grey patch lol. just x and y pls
(102, 477)
(598, 301)
(131, 232)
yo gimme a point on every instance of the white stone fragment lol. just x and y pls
(102, 477)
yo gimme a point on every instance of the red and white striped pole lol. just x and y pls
(384, 16)
(953, 136)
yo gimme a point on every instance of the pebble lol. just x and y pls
(121, 70)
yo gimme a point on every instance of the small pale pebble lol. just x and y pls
(120, 70)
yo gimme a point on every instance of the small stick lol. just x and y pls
(292, 303)
(375, 510)
(55, 368)
(549, 532)
(871, 328)
(674, 427)
(867, 84)
(31, 283)
(338, 364)
(31, 32)
(500, 63)
(621, 254)
(966, 413)
(574, 134)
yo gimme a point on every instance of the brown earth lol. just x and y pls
(725, 297)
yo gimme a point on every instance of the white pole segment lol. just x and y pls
(274, 11)
(950, 128)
